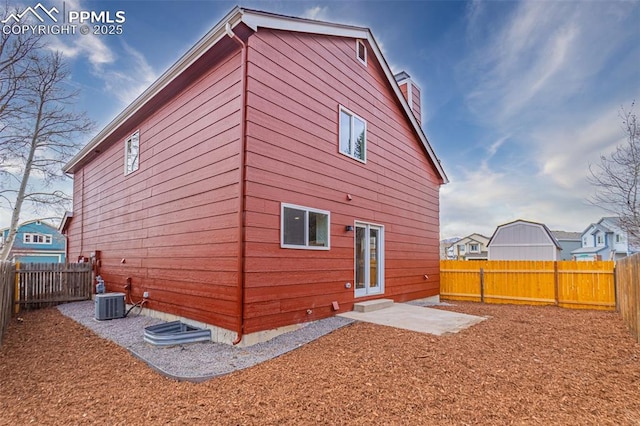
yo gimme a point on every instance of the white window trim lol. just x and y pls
(126, 154)
(364, 47)
(306, 228)
(353, 115)
(381, 265)
(47, 238)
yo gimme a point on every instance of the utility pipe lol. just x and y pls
(241, 207)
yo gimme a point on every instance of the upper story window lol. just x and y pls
(304, 227)
(37, 238)
(460, 248)
(619, 238)
(361, 51)
(353, 135)
(132, 153)
(474, 248)
(600, 239)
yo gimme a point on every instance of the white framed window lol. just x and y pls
(619, 238)
(600, 239)
(361, 52)
(304, 227)
(474, 248)
(132, 153)
(29, 238)
(353, 135)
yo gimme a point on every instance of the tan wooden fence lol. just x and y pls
(569, 284)
(47, 284)
(628, 291)
(7, 288)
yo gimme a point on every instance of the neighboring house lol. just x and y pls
(36, 242)
(447, 248)
(274, 175)
(523, 240)
(472, 247)
(569, 241)
(604, 240)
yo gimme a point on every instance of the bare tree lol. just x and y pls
(14, 52)
(617, 178)
(35, 144)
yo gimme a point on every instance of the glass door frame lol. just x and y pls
(367, 290)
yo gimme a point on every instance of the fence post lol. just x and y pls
(16, 295)
(615, 286)
(555, 281)
(481, 285)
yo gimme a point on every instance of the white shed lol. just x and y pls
(523, 240)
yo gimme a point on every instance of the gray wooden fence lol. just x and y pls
(7, 289)
(40, 285)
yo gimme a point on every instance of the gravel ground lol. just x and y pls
(195, 361)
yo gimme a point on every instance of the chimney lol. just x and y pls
(411, 93)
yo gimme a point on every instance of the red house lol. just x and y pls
(276, 174)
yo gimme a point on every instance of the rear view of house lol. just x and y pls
(274, 175)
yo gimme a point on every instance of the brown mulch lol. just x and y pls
(524, 365)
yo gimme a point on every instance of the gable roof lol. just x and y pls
(526, 222)
(255, 19)
(29, 222)
(604, 225)
(478, 238)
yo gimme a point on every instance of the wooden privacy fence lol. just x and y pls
(7, 286)
(40, 285)
(628, 285)
(569, 284)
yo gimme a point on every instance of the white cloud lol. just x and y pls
(129, 79)
(318, 13)
(125, 72)
(542, 85)
(564, 151)
(89, 46)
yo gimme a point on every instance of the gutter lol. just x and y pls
(241, 195)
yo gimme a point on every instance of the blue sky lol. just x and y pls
(518, 97)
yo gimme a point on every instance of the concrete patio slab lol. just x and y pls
(417, 318)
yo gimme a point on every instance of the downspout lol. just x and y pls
(241, 207)
(66, 248)
(83, 213)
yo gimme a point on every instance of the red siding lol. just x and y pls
(296, 84)
(174, 221)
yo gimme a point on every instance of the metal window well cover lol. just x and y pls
(175, 333)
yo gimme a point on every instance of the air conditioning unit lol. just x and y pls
(109, 306)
